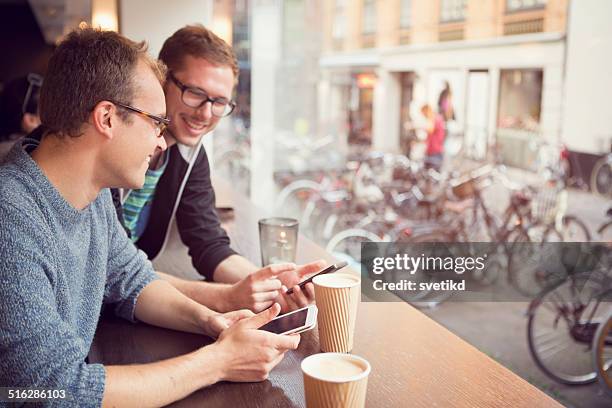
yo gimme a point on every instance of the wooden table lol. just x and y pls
(415, 361)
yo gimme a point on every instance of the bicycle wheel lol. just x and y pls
(480, 228)
(315, 215)
(526, 276)
(348, 243)
(561, 326)
(602, 354)
(601, 178)
(540, 232)
(295, 187)
(574, 230)
(289, 202)
(337, 220)
(427, 297)
(605, 233)
(489, 275)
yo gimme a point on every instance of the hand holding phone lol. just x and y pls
(330, 269)
(294, 322)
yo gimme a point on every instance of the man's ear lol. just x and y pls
(29, 122)
(104, 118)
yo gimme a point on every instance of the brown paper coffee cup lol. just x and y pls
(337, 297)
(335, 380)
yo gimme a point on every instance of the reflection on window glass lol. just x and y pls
(452, 10)
(406, 14)
(369, 16)
(514, 5)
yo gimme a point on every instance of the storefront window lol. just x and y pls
(520, 99)
(360, 114)
(518, 118)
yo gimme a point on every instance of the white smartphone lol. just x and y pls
(297, 321)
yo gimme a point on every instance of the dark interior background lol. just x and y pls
(23, 46)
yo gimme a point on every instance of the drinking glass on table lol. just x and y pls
(278, 240)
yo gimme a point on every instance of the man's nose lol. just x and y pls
(204, 112)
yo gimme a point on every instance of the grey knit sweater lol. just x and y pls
(58, 266)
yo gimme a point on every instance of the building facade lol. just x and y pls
(503, 61)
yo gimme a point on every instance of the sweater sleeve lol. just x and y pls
(198, 222)
(128, 271)
(37, 347)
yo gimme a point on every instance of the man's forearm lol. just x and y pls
(233, 269)
(161, 304)
(163, 382)
(212, 295)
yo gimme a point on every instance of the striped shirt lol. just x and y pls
(137, 206)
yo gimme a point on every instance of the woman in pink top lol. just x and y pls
(434, 154)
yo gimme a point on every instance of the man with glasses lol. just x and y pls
(63, 253)
(202, 73)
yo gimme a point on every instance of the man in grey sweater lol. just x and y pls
(63, 253)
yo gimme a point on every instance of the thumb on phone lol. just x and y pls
(311, 268)
(262, 317)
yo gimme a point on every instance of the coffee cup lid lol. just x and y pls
(336, 280)
(309, 362)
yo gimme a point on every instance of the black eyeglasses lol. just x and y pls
(160, 123)
(196, 98)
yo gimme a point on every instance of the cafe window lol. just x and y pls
(406, 14)
(452, 10)
(521, 5)
(369, 17)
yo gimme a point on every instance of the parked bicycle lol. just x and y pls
(604, 232)
(601, 350)
(563, 324)
(601, 177)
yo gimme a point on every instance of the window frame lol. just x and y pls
(461, 19)
(521, 9)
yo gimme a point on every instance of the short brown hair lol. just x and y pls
(197, 41)
(87, 67)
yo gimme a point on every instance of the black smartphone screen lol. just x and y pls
(285, 323)
(331, 268)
